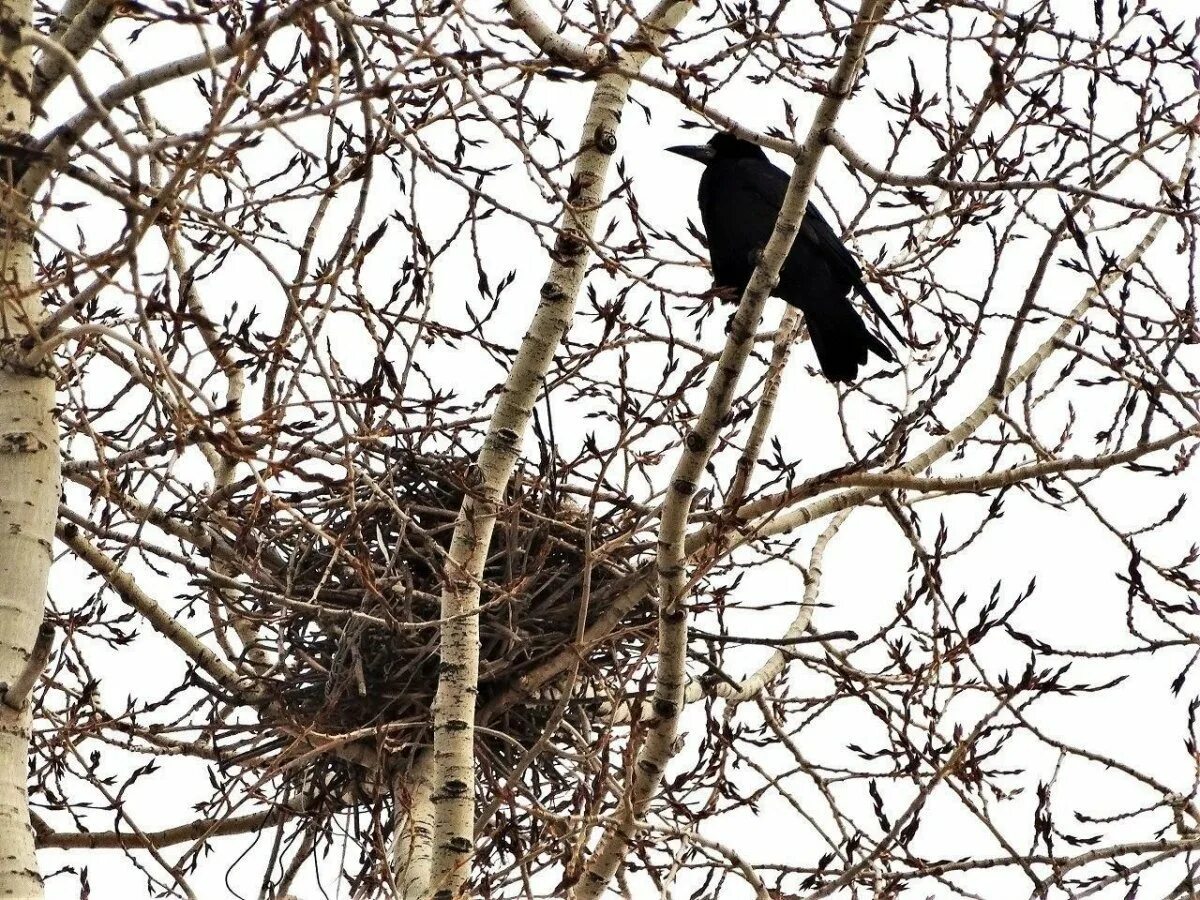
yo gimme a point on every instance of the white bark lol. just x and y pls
(785, 334)
(29, 468)
(413, 856)
(79, 33)
(454, 706)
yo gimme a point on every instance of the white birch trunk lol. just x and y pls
(29, 469)
(454, 705)
(414, 843)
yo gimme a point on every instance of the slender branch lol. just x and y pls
(933, 179)
(201, 829)
(785, 335)
(1008, 477)
(750, 687)
(82, 30)
(18, 692)
(51, 151)
(162, 621)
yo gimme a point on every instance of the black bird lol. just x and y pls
(741, 193)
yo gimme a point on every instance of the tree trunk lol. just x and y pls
(413, 850)
(454, 706)
(29, 470)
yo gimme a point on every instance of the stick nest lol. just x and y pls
(362, 564)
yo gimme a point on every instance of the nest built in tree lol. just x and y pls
(363, 561)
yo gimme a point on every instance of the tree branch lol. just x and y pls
(670, 679)
(51, 151)
(162, 621)
(81, 31)
(18, 692)
(201, 829)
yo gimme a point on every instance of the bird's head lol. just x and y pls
(722, 145)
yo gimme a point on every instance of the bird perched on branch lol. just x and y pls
(741, 193)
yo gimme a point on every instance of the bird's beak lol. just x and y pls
(702, 153)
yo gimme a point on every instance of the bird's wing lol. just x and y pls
(815, 229)
(739, 202)
(768, 183)
(738, 207)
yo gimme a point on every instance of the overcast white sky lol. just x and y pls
(1079, 601)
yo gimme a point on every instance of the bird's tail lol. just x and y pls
(842, 341)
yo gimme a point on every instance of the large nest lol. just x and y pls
(362, 559)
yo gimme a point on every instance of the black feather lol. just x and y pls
(741, 193)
